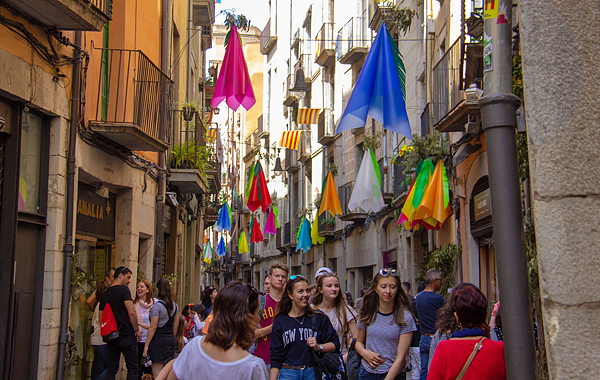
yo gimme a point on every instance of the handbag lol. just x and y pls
(354, 360)
(468, 363)
(328, 365)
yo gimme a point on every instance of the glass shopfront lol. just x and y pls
(94, 254)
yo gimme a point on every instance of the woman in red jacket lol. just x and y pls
(452, 356)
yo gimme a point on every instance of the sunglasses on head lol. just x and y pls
(297, 276)
(389, 272)
(252, 293)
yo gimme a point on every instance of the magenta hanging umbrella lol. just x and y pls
(234, 85)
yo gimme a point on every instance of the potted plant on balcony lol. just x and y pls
(188, 155)
(328, 224)
(189, 109)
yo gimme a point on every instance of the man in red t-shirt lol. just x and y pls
(279, 274)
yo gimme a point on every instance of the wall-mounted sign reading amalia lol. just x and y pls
(95, 214)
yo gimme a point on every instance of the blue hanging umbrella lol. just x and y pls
(221, 250)
(304, 239)
(224, 220)
(379, 91)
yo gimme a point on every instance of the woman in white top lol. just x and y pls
(100, 363)
(330, 300)
(223, 352)
(143, 302)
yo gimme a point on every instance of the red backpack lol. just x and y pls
(108, 325)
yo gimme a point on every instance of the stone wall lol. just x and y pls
(561, 77)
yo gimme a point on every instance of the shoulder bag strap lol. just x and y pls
(468, 363)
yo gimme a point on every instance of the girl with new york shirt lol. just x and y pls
(294, 335)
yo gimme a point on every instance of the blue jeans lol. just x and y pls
(363, 374)
(100, 363)
(424, 348)
(297, 374)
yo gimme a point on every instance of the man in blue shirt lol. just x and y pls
(428, 302)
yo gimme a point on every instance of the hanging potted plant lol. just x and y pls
(189, 109)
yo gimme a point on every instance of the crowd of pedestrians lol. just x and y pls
(297, 329)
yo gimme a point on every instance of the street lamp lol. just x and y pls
(278, 169)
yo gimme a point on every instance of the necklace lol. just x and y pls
(298, 320)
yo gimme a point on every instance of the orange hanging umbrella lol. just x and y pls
(435, 207)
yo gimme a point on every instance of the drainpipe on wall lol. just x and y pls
(63, 335)
(159, 237)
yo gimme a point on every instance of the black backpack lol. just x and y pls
(328, 365)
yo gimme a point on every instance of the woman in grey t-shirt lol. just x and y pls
(385, 328)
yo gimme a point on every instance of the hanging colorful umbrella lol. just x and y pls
(413, 200)
(314, 233)
(243, 243)
(234, 84)
(276, 216)
(224, 220)
(208, 253)
(304, 239)
(367, 192)
(259, 192)
(435, 206)
(270, 225)
(379, 91)
(256, 236)
(221, 250)
(329, 199)
(250, 180)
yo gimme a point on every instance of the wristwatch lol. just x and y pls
(321, 348)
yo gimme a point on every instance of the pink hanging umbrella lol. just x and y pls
(234, 85)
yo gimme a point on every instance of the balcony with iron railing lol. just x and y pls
(206, 36)
(132, 107)
(263, 128)
(326, 224)
(290, 163)
(381, 10)
(357, 215)
(325, 51)
(354, 41)
(268, 40)
(304, 148)
(189, 157)
(203, 12)
(326, 127)
(295, 40)
(290, 229)
(451, 75)
(290, 96)
(85, 15)
(250, 147)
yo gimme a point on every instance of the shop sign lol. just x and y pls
(95, 214)
(483, 204)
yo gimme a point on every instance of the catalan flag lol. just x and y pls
(290, 139)
(211, 135)
(308, 115)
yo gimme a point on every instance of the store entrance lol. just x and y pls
(92, 258)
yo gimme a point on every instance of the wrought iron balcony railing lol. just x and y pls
(133, 102)
(268, 40)
(354, 40)
(87, 15)
(325, 49)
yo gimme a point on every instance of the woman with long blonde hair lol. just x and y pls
(330, 300)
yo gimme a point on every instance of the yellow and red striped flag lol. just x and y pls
(211, 135)
(308, 115)
(290, 139)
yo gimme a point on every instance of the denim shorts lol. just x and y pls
(297, 374)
